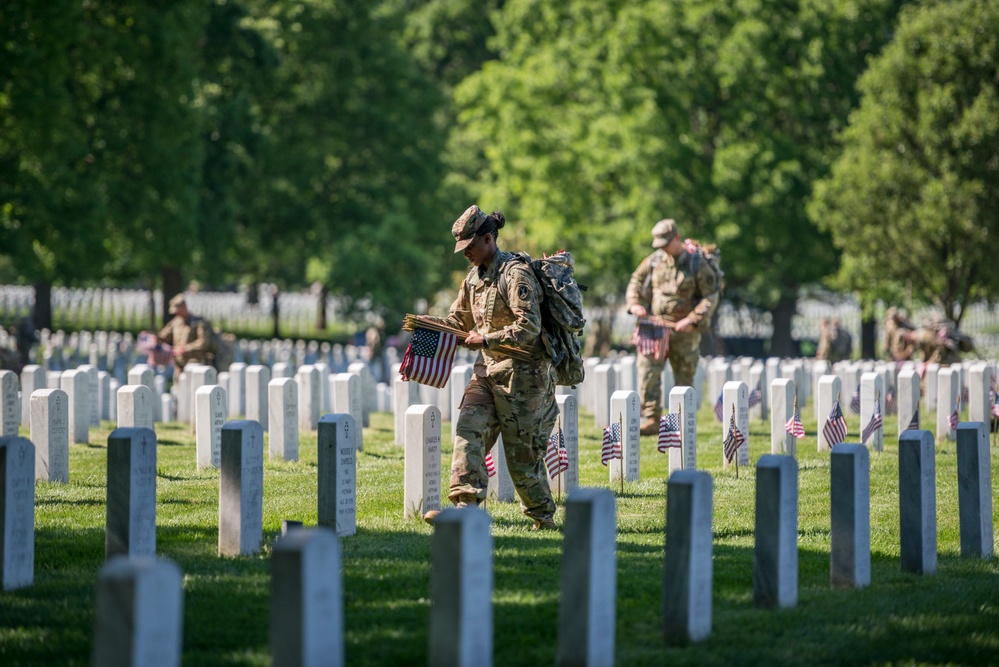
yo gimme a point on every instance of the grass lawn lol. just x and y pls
(951, 617)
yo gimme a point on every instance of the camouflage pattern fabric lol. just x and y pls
(193, 335)
(936, 348)
(684, 352)
(518, 401)
(515, 398)
(668, 288)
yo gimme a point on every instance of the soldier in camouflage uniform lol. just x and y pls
(498, 304)
(663, 285)
(188, 334)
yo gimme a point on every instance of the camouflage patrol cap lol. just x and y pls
(464, 228)
(177, 302)
(663, 232)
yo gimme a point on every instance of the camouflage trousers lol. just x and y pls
(518, 402)
(684, 353)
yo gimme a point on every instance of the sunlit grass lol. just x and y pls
(950, 617)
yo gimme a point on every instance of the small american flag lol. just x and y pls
(953, 419)
(793, 425)
(733, 440)
(874, 424)
(835, 427)
(612, 444)
(914, 423)
(891, 406)
(490, 465)
(556, 457)
(855, 401)
(669, 432)
(651, 338)
(429, 357)
(756, 396)
(965, 395)
(719, 406)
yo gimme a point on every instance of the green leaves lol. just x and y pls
(912, 199)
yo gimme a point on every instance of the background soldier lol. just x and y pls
(835, 342)
(940, 341)
(682, 288)
(189, 335)
(898, 346)
(499, 304)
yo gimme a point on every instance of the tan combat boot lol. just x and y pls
(649, 426)
(431, 516)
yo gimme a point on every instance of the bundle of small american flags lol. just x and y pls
(612, 444)
(429, 357)
(669, 432)
(651, 338)
(556, 457)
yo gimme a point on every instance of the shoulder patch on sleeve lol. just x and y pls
(523, 292)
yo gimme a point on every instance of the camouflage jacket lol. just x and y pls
(512, 319)
(936, 348)
(192, 335)
(668, 288)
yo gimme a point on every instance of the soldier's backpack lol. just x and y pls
(953, 338)
(220, 347)
(561, 313)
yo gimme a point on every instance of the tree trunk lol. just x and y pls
(321, 313)
(41, 311)
(275, 314)
(781, 345)
(173, 284)
(868, 334)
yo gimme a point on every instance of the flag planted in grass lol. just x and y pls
(835, 427)
(490, 465)
(756, 396)
(873, 425)
(793, 425)
(429, 357)
(953, 419)
(612, 444)
(719, 406)
(914, 422)
(733, 440)
(556, 457)
(855, 401)
(669, 432)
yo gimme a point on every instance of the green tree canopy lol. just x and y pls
(913, 201)
(598, 118)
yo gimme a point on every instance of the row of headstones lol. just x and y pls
(131, 492)
(307, 586)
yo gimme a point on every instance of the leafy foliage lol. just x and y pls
(912, 201)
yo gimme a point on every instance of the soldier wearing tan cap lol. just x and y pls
(188, 335)
(682, 289)
(499, 304)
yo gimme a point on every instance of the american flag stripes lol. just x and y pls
(855, 401)
(719, 406)
(914, 423)
(612, 444)
(834, 430)
(556, 457)
(756, 396)
(429, 357)
(651, 338)
(873, 425)
(891, 406)
(669, 432)
(953, 419)
(733, 440)
(793, 425)
(490, 465)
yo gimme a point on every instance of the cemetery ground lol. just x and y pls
(951, 617)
